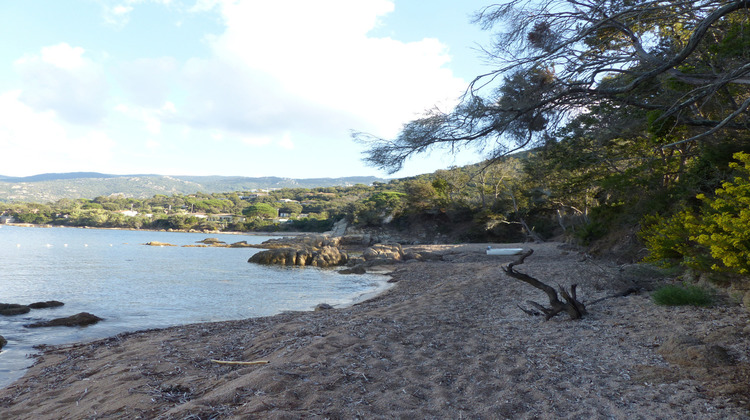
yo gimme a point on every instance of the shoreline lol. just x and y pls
(446, 342)
(253, 233)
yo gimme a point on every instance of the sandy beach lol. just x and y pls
(447, 341)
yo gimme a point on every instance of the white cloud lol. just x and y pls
(286, 142)
(36, 142)
(61, 79)
(310, 67)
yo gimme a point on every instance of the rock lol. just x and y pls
(241, 244)
(211, 241)
(357, 269)
(3, 341)
(47, 304)
(384, 253)
(78, 320)
(155, 243)
(323, 307)
(326, 256)
(687, 351)
(746, 301)
(13, 309)
(314, 241)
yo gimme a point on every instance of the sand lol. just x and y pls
(448, 341)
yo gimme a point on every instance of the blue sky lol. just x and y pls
(225, 87)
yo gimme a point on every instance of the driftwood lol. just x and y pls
(232, 362)
(571, 305)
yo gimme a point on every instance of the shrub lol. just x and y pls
(717, 237)
(674, 295)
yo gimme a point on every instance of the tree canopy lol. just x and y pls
(682, 65)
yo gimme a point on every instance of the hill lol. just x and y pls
(44, 188)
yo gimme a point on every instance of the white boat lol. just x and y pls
(503, 251)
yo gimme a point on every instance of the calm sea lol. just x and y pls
(111, 274)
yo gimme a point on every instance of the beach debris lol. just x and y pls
(571, 306)
(232, 362)
(503, 251)
(78, 320)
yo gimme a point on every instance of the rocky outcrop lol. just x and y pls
(78, 320)
(211, 241)
(16, 309)
(13, 309)
(157, 243)
(384, 253)
(313, 241)
(47, 304)
(323, 257)
(3, 341)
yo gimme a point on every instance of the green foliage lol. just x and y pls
(261, 210)
(673, 295)
(716, 237)
(725, 228)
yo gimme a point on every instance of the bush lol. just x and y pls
(716, 238)
(673, 295)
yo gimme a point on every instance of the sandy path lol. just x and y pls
(447, 342)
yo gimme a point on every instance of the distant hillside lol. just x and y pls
(52, 187)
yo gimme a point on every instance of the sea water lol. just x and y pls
(113, 275)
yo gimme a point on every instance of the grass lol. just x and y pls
(673, 295)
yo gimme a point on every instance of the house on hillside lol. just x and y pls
(6, 218)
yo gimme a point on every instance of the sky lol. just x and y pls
(226, 87)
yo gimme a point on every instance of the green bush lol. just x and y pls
(715, 238)
(673, 295)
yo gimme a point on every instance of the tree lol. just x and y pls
(683, 65)
(261, 210)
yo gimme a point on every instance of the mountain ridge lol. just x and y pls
(50, 187)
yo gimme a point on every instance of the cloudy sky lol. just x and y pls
(225, 87)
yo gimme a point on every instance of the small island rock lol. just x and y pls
(78, 320)
(47, 304)
(13, 309)
(3, 341)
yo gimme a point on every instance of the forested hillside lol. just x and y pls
(51, 187)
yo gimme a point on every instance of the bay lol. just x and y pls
(113, 275)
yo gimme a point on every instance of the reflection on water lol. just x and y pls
(109, 273)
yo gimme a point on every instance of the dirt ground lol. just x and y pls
(447, 341)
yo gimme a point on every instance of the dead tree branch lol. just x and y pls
(571, 305)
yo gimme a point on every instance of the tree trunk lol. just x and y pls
(571, 305)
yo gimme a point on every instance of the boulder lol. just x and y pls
(13, 309)
(211, 241)
(323, 257)
(323, 307)
(357, 269)
(241, 244)
(384, 253)
(47, 304)
(314, 241)
(3, 341)
(78, 320)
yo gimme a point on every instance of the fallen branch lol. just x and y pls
(572, 306)
(230, 362)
